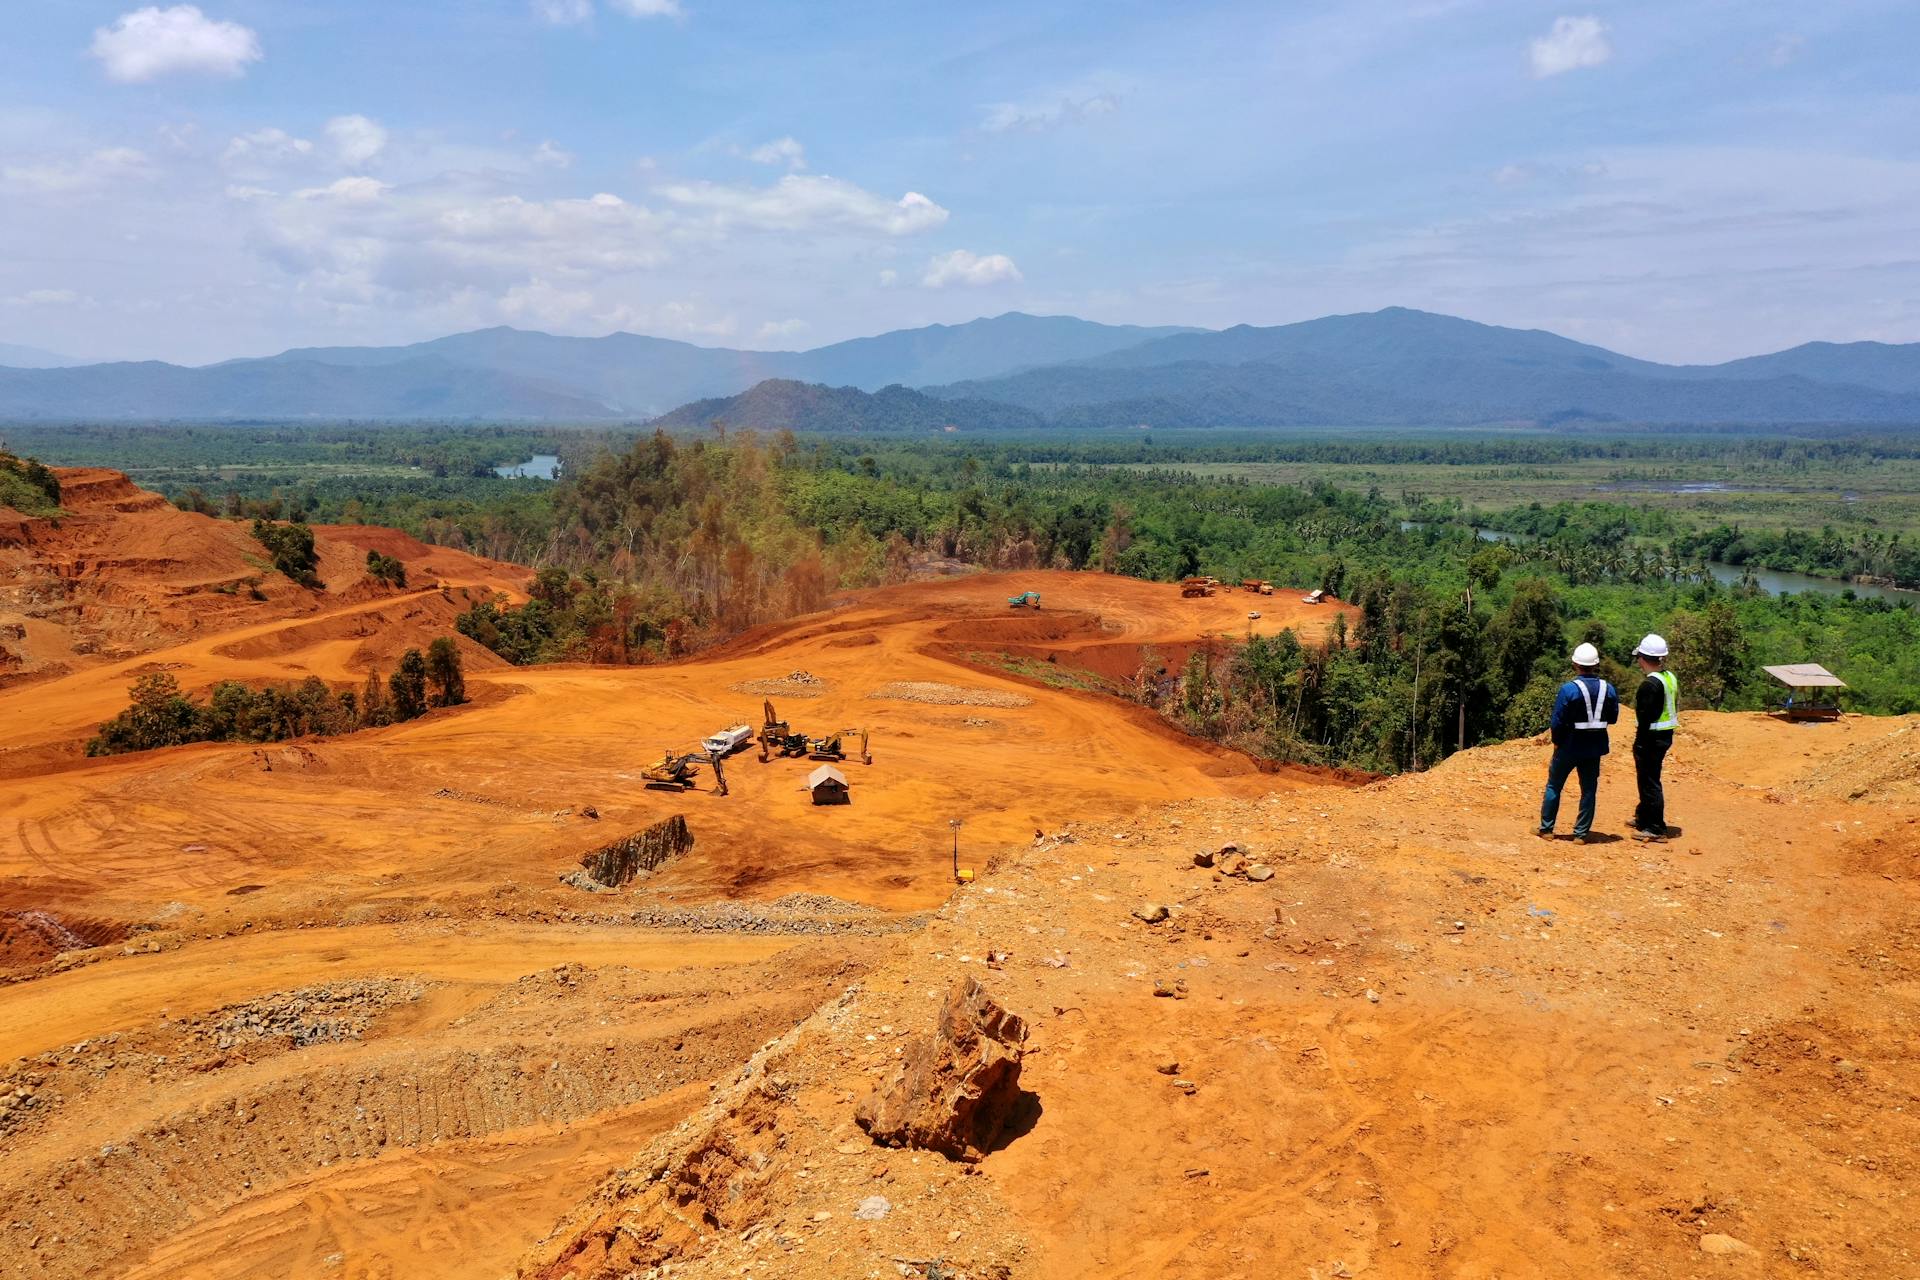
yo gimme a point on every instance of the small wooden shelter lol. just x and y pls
(828, 785)
(1813, 692)
(1316, 596)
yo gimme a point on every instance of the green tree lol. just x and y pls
(1709, 654)
(443, 669)
(407, 687)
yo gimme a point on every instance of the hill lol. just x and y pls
(781, 404)
(117, 572)
(1398, 366)
(13, 356)
(418, 387)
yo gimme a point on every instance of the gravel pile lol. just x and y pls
(312, 1015)
(797, 684)
(948, 695)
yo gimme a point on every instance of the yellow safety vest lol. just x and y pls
(1671, 718)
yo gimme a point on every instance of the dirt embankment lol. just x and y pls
(121, 572)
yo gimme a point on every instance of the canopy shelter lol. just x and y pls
(1813, 692)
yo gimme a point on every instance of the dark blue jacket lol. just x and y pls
(1570, 708)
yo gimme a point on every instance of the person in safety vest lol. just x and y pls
(1657, 708)
(1581, 713)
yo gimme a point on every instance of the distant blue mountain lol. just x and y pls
(13, 356)
(1392, 367)
(1399, 366)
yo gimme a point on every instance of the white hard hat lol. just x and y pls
(1653, 647)
(1586, 656)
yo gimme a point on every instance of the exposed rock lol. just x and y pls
(1723, 1246)
(1151, 912)
(615, 864)
(873, 1208)
(954, 1090)
(1204, 858)
(1260, 872)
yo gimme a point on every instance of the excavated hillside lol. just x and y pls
(121, 572)
(389, 1003)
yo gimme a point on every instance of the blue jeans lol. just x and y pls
(1557, 770)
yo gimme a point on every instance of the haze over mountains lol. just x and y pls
(1384, 368)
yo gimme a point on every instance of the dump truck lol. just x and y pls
(1025, 600)
(1192, 587)
(1257, 586)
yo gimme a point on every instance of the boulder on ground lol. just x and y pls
(954, 1090)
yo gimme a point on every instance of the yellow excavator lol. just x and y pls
(833, 746)
(682, 772)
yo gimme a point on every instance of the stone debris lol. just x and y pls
(954, 1090)
(1151, 912)
(873, 1209)
(1204, 858)
(1259, 872)
(932, 691)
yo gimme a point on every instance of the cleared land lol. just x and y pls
(323, 1008)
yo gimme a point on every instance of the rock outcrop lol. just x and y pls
(955, 1090)
(616, 864)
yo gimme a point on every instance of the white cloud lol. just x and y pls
(1573, 43)
(564, 13)
(889, 278)
(550, 156)
(964, 268)
(807, 202)
(45, 298)
(153, 42)
(1785, 49)
(781, 328)
(88, 173)
(1052, 113)
(648, 8)
(350, 190)
(356, 139)
(786, 151)
(269, 146)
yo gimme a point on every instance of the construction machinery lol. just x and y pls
(682, 772)
(1192, 587)
(833, 746)
(777, 737)
(1025, 600)
(1257, 586)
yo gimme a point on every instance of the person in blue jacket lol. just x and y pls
(1584, 708)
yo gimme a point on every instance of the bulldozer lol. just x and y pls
(777, 737)
(833, 746)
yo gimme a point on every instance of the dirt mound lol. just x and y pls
(800, 684)
(1885, 769)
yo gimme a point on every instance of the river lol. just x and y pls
(1773, 581)
(541, 466)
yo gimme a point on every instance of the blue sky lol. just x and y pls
(1678, 180)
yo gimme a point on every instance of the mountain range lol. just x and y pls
(1015, 371)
